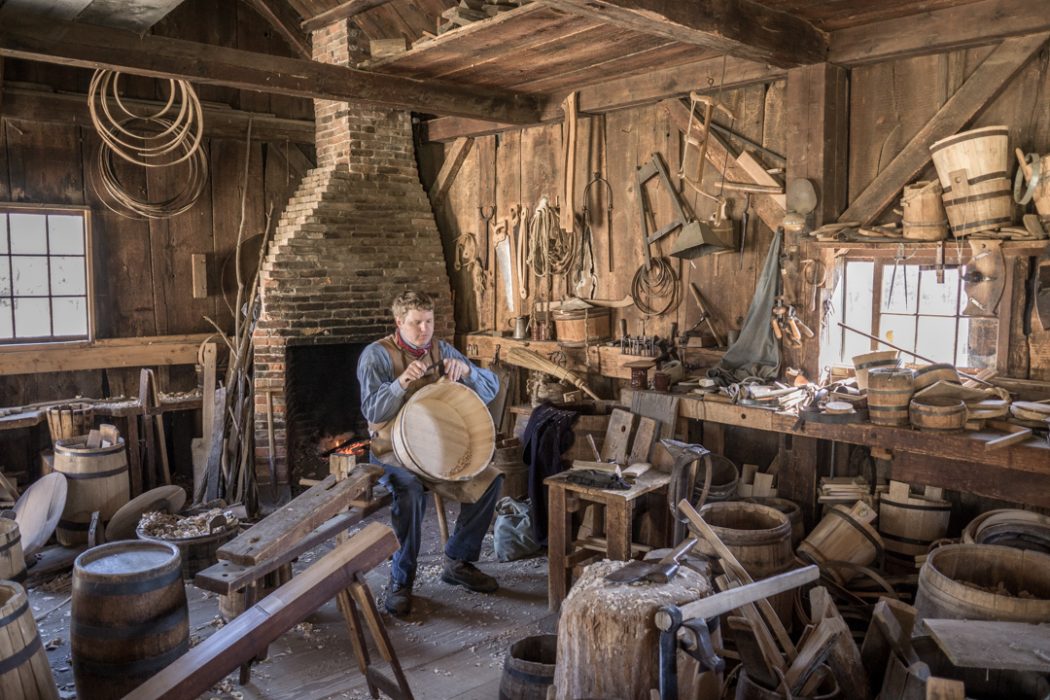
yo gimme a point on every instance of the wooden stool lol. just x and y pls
(564, 551)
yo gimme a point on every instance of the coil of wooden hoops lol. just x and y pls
(163, 138)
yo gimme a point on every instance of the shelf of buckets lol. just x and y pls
(116, 542)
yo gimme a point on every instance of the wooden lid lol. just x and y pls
(168, 499)
(38, 510)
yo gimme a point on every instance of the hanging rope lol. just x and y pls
(164, 138)
(552, 250)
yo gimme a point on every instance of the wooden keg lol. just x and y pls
(909, 523)
(97, 479)
(924, 218)
(984, 582)
(528, 670)
(759, 537)
(844, 534)
(508, 462)
(788, 508)
(937, 414)
(580, 326)
(24, 670)
(70, 420)
(972, 169)
(862, 364)
(889, 391)
(938, 372)
(12, 559)
(129, 617)
(444, 432)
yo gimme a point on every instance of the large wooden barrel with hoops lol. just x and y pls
(889, 391)
(129, 617)
(24, 670)
(96, 478)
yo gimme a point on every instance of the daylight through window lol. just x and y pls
(44, 282)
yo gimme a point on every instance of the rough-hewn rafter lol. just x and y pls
(740, 28)
(280, 16)
(347, 9)
(97, 47)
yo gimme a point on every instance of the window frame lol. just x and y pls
(957, 253)
(17, 344)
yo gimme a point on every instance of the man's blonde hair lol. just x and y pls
(411, 301)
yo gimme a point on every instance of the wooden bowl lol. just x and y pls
(937, 414)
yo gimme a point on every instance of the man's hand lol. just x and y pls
(456, 369)
(413, 372)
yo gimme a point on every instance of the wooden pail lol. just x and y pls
(788, 508)
(862, 364)
(984, 582)
(24, 670)
(582, 325)
(938, 372)
(70, 420)
(528, 670)
(972, 169)
(759, 537)
(910, 523)
(889, 391)
(844, 534)
(444, 432)
(937, 414)
(196, 553)
(507, 461)
(12, 559)
(129, 617)
(924, 218)
(97, 479)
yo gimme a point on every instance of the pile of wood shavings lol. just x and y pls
(174, 527)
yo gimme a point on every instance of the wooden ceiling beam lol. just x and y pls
(741, 28)
(280, 15)
(611, 95)
(344, 11)
(964, 26)
(86, 46)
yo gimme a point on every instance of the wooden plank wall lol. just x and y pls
(142, 269)
(891, 101)
(528, 166)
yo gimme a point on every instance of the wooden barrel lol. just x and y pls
(444, 432)
(97, 479)
(937, 372)
(528, 670)
(862, 364)
(582, 325)
(70, 420)
(844, 534)
(984, 582)
(196, 553)
(507, 461)
(724, 479)
(972, 169)
(12, 559)
(889, 391)
(759, 537)
(924, 218)
(937, 414)
(910, 523)
(129, 617)
(24, 670)
(788, 508)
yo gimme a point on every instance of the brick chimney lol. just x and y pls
(357, 232)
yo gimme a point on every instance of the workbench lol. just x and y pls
(958, 461)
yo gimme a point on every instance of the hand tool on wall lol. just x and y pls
(704, 316)
(505, 265)
(815, 274)
(984, 278)
(519, 217)
(568, 106)
(699, 142)
(486, 217)
(598, 180)
(745, 221)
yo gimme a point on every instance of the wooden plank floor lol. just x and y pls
(452, 646)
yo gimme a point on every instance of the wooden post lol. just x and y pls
(817, 107)
(797, 477)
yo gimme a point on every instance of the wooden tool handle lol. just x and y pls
(1023, 162)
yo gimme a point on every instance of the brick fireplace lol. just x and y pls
(358, 231)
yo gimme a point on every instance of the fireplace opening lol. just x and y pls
(323, 404)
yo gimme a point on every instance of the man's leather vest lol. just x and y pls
(400, 360)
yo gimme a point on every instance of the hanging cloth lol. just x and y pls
(756, 353)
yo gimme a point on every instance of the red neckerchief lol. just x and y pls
(411, 350)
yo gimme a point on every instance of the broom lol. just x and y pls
(531, 360)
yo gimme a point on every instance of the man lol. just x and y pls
(389, 372)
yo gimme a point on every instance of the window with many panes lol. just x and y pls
(914, 304)
(45, 289)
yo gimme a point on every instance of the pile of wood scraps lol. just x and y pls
(470, 11)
